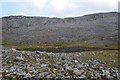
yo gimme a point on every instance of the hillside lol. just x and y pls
(94, 30)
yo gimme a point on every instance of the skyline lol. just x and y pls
(57, 8)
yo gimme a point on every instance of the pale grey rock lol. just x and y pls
(21, 74)
(12, 69)
(39, 52)
(44, 73)
(19, 58)
(69, 68)
(44, 65)
(76, 71)
(28, 75)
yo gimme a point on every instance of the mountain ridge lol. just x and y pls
(91, 29)
(28, 16)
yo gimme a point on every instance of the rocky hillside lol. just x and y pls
(36, 65)
(40, 47)
(98, 29)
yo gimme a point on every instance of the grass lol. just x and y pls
(109, 57)
(76, 44)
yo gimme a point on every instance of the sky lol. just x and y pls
(56, 8)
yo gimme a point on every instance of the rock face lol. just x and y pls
(101, 28)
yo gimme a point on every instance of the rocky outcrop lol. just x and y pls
(53, 65)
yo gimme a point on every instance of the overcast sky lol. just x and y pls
(56, 8)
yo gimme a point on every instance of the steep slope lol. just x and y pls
(96, 29)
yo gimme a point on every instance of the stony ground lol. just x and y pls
(17, 65)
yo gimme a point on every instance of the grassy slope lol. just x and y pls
(77, 44)
(109, 57)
